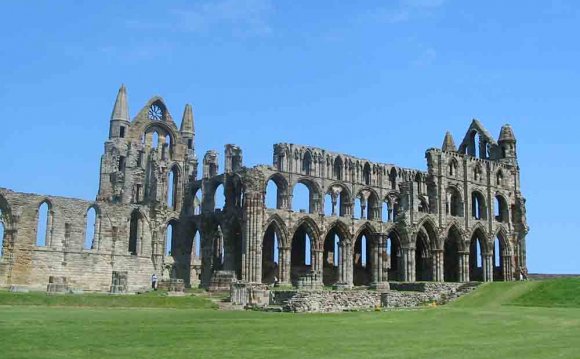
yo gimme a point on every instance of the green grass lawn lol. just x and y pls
(484, 324)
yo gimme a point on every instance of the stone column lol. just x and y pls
(317, 262)
(437, 264)
(284, 265)
(408, 264)
(345, 264)
(463, 266)
(377, 259)
(507, 269)
(488, 267)
(251, 241)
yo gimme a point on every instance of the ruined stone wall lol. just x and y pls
(64, 254)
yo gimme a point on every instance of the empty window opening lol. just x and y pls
(307, 163)
(478, 208)
(155, 140)
(43, 226)
(393, 178)
(301, 198)
(135, 231)
(271, 195)
(359, 208)
(172, 185)
(423, 206)
(122, 132)
(190, 143)
(499, 179)
(169, 239)
(121, 163)
(454, 205)
(453, 168)
(385, 212)
(91, 229)
(196, 203)
(501, 209)
(219, 197)
(197, 245)
(328, 210)
(477, 173)
(367, 174)
(337, 168)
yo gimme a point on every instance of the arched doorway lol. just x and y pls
(301, 252)
(476, 256)
(500, 262)
(332, 255)
(271, 254)
(451, 255)
(362, 258)
(392, 258)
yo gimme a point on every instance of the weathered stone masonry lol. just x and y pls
(365, 224)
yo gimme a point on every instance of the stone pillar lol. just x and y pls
(437, 263)
(408, 264)
(284, 265)
(377, 259)
(507, 269)
(317, 261)
(488, 267)
(251, 239)
(463, 266)
(345, 267)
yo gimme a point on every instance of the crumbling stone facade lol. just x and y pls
(365, 223)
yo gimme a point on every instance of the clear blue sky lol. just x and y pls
(381, 80)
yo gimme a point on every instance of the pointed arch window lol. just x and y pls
(307, 163)
(92, 228)
(44, 224)
(452, 168)
(172, 188)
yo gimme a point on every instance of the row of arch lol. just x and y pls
(306, 197)
(288, 257)
(314, 164)
(477, 172)
(454, 205)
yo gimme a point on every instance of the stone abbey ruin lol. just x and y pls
(365, 224)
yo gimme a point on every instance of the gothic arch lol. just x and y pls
(341, 228)
(311, 229)
(279, 227)
(428, 224)
(366, 226)
(314, 193)
(453, 244)
(362, 257)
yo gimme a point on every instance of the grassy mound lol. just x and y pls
(561, 292)
(147, 300)
(494, 294)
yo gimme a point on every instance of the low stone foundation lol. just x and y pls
(402, 295)
(57, 285)
(250, 295)
(221, 281)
